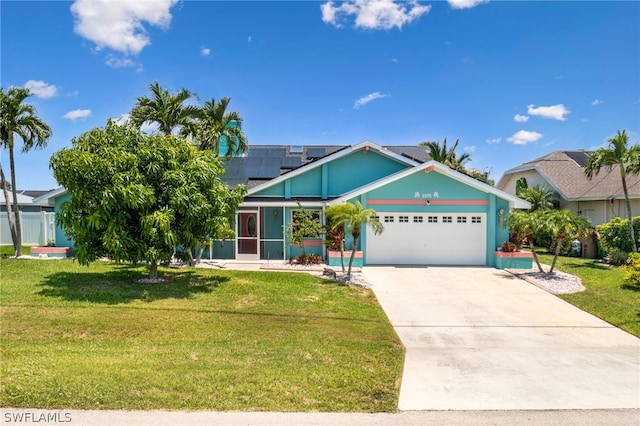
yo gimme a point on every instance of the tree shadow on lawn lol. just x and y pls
(119, 286)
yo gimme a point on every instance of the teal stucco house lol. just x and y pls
(432, 215)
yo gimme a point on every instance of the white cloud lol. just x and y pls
(119, 25)
(250, 39)
(115, 62)
(596, 102)
(77, 113)
(524, 137)
(521, 118)
(41, 89)
(123, 119)
(584, 120)
(465, 4)
(556, 112)
(470, 149)
(205, 51)
(366, 99)
(494, 140)
(374, 14)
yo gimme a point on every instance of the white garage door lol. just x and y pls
(429, 239)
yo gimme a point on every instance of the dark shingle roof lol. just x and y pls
(565, 171)
(262, 163)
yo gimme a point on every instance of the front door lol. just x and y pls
(247, 235)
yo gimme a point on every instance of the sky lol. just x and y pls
(511, 80)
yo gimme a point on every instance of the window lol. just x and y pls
(461, 219)
(447, 219)
(432, 219)
(417, 219)
(403, 219)
(388, 219)
(476, 219)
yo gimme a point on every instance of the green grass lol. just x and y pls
(10, 251)
(90, 338)
(607, 296)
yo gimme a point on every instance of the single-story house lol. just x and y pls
(432, 214)
(599, 199)
(37, 218)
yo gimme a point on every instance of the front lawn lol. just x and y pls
(90, 338)
(607, 296)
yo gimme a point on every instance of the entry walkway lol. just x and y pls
(481, 339)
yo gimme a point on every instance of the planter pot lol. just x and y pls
(333, 258)
(51, 251)
(514, 260)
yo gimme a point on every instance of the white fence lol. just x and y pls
(38, 228)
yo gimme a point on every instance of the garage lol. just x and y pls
(429, 239)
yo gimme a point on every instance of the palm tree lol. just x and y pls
(218, 126)
(167, 110)
(618, 153)
(354, 216)
(538, 196)
(528, 224)
(19, 118)
(335, 226)
(448, 157)
(563, 224)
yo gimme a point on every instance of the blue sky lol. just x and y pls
(512, 80)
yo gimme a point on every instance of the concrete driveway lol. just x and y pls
(480, 339)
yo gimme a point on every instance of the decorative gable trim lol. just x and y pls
(366, 145)
(428, 167)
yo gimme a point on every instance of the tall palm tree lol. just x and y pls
(166, 110)
(564, 224)
(354, 217)
(528, 224)
(217, 127)
(539, 196)
(17, 117)
(447, 156)
(617, 153)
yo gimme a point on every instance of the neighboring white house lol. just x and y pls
(38, 219)
(599, 199)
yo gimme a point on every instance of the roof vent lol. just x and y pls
(296, 149)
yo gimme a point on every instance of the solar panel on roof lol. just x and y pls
(579, 157)
(316, 152)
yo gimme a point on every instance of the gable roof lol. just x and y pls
(514, 202)
(564, 172)
(272, 173)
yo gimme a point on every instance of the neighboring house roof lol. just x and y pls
(514, 202)
(564, 172)
(22, 199)
(49, 197)
(264, 163)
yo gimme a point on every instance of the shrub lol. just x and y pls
(508, 246)
(616, 257)
(309, 259)
(632, 266)
(614, 235)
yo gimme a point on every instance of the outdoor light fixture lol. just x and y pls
(501, 217)
(428, 202)
(275, 214)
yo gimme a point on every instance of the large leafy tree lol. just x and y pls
(447, 155)
(217, 127)
(21, 119)
(168, 111)
(354, 217)
(136, 196)
(626, 158)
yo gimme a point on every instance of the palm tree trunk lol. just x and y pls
(342, 252)
(556, 254)
(17, 243)
(629, 216)
(12, 225)
(535, 256)
(353, 254)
